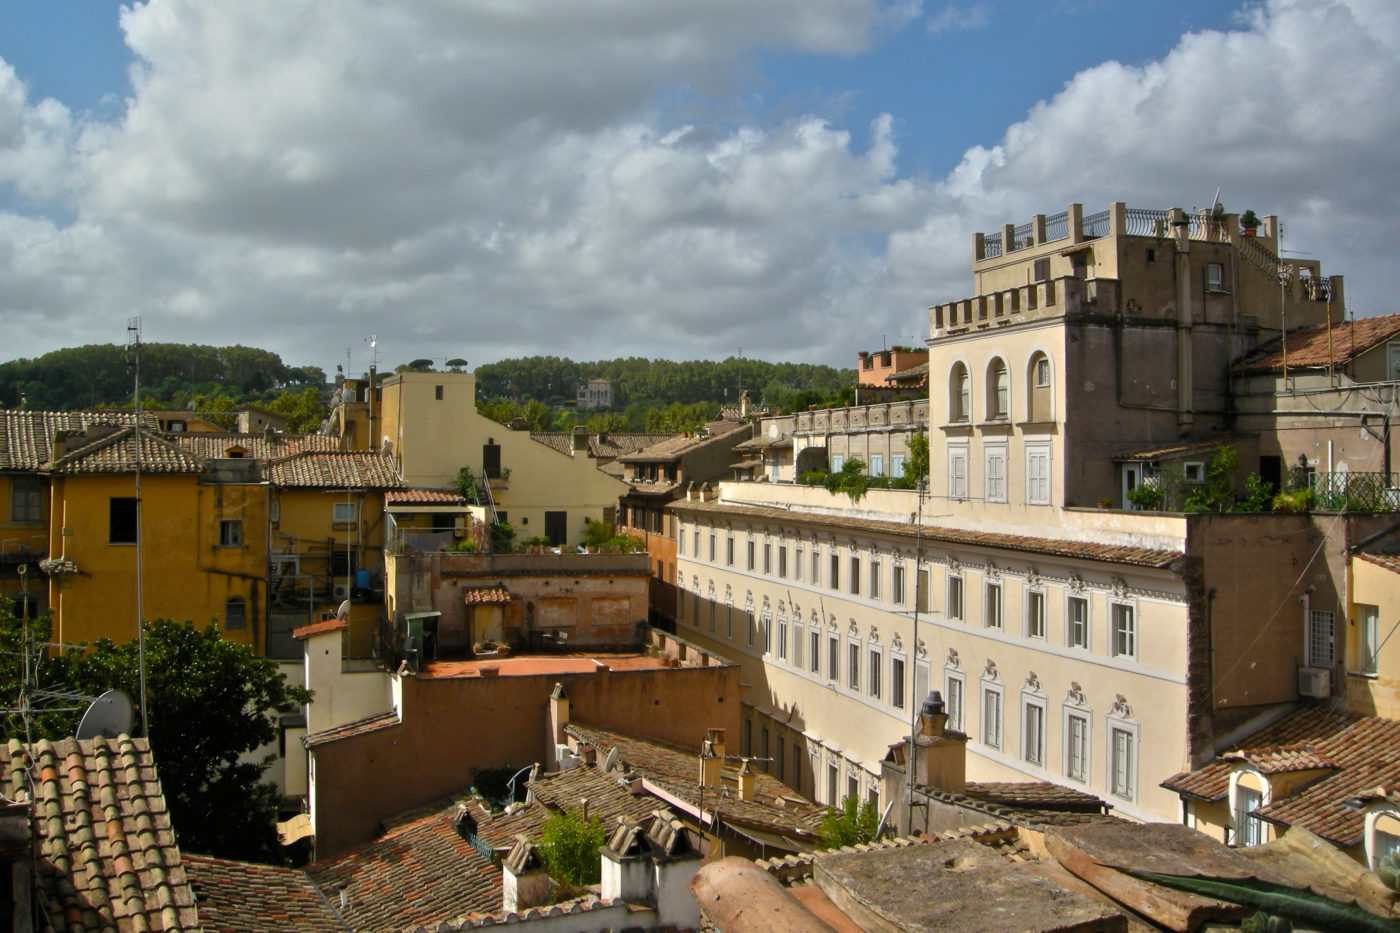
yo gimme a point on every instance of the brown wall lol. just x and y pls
(451, 725)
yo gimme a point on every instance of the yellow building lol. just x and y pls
(1373, 653)
(193, 527)
(431, 426)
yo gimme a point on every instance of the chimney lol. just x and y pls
(748, 782)
(558, 715)
(580, 440)
(524, 878)
(712, 758)
(932, 715)
(940, 757)
(706, 493)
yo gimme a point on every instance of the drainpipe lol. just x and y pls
(1182, 259)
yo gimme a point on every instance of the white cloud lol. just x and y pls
(498, 179)
(954, 17)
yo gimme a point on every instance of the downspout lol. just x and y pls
(1184, 389)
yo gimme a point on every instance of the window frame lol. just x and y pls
(993, 605)
(955, 699)
(992, 734)
(241, 605)
(1035, 615)
(27, 500)
(957, 471)
(853, 665)
(994, 472)
(230, 532)
(343, 513)
(875, 666)
(1083, 761)
(873, 572)
(121, 528)
(1119, 726)
(1033, 742)
(1118, 610)
(1039, 486)
(1070, 600)
(956, 588)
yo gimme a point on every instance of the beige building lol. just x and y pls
(431, 426)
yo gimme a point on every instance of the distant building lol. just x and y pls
(594, 394)
(883, 367)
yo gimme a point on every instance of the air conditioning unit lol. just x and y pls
(1315, 682)
(340, 591)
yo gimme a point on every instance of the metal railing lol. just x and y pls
(1146, 222)
(1095, 225)
(991, 245)
(1356, 492)
(1057, 227)
(1023, 237)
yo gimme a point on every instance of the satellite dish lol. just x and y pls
(109, 716)
(343, 611)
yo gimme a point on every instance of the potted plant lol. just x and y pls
(1105, 503)
(1249, 222)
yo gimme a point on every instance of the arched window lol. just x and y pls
(998, 390)
(1039, 391)
(959, 394)
(235, 613)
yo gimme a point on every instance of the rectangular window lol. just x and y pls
(729, 550)
(712, 547)
(1320, 638)
(1249, 829)
(437, 393)
(1033, 734)
(780, 758)
(752, 564)
(957, 472)
(814, 661)
(680, 547)
(956, 612)
(1040, 271)
(833, 659)
(1077, 747)
(816, 568)
(991, 605)
(923, 596)
(1215, 277)
(953, 689)
(833, 777)
(782, 638)
(877, 465)
(1077, 622)
(121, 520)
(897, 683)
(797, 555)
(995, 474)
(991, 717)
(695, 542)
(837, 462)
(876, 666)
(835, 581)
(897, 465)
(767, 558)
(897, 585)
(231, 533)
(782, 561)
(1035, 614)
(749, 625)
(853, 665)
(1124, 631)
(1038, 474)
(1042, 373)
(235, 613)
(873, 580)
(26, 500)
(729, 622)
(1368, 624)
(855, 575)
(274, 511)
(1123, 768)
(342, 513)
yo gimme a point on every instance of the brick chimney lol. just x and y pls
(524, 878)
(558, 715)
(580, 440)
(748, 782)
(940, 757)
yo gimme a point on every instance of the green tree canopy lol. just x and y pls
(211, 704)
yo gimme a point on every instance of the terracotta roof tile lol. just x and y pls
(1203, 444)
(117, 453)
(601, 446)
(1364, 752)
(107, 853)
(423, 497)
(777, 807)
(239, 897)
(422, 873)
(346, 730)
(357, 469)
(1313, 347)
(1390, 562)
(1088, 550)
(257, 446)
(26, 437)
(317, 628)
(486, 595)
(608, 798)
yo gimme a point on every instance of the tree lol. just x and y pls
(211, 704)
(456, 365)
(852, 823)
(537, 416)
(304, 410)
(569, 847)
(609, 421)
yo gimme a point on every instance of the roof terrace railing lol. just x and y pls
(1146, 222)
(1095, 225)
(1356, 492)
(1057, 227)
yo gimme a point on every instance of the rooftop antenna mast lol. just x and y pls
(133, 355)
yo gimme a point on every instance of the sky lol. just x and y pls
(778, 179)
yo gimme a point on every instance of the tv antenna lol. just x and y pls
(133, 349)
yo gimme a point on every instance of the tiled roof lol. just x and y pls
(116, 453)
(1281, 759)
(1390, 562)
(1087, 550)
(1364, 752)
(423, 497)
(608, 799)
(26, 437)
(676, 770)
(1313, 347)
(106, 851)
(422, 873)
(256, 446)
(346, 730)
(915, 373)
(1184, 447)
(354, 469)
(239, 897)
(486, 595)
(608, 446)
(317, 628)
(1032, 794)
